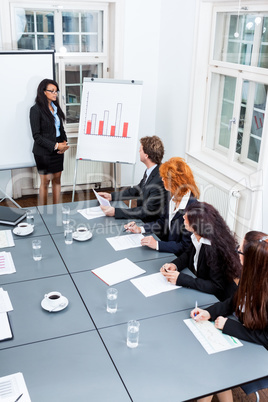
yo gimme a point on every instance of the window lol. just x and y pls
(238, 95)
(79, 38)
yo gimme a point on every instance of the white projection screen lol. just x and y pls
(20, 74)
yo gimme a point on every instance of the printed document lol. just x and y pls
(102, 200)
(151, 285)
(118, 271)
(12, 387)
(211, 338)
(5, 331)
(5, 303)
(91, 213)
(6, 239)
(6, 263)
(120, 243)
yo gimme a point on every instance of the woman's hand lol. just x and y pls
(109, 211)
(62, 147)
(107, 196)
(220, 322)
(149, 241)
(168, 267)
(170, 275)
(200, 315)
(132, 227)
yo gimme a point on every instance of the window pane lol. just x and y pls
(26, 42)
(71, 42)
(72, 114)
(89, 22)
(70, 22)
(91, 71)
(263, 60)
(220, 111)
(89, 43)
(72, 74)
(45, 42)
(44, 22)
(73, 94)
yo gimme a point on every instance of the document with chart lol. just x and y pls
(211, 338)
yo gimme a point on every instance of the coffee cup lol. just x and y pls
(53, 298)
(24, 227)
(82, 232)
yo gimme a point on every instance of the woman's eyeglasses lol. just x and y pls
(52, 92)
(238, 251)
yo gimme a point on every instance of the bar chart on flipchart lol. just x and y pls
(109, 120)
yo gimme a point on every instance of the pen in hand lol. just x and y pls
(195, 313)
(130, 226)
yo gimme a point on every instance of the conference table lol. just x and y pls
(80, 353)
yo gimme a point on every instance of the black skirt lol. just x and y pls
(47, 164)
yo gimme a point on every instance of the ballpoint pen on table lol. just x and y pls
(18, 398)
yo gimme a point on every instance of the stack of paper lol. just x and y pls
(6, 263)
(5, 306)
(6, 239)
(151, 285)
(211, 338)
(91, 213)
(120, 243)
(13, 387)
(118, 271)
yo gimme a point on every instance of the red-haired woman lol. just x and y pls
(178, 179)
(250, 303)
(212, 255)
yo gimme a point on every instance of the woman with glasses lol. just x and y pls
(50, 141)
(211, 256)
(249, 303)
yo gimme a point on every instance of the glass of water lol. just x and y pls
(133, 329)
(37, 252)
(65, 215)
(68, 234)
(30, 218)
(112, 294)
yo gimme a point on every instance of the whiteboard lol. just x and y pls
(109, 120)
(20, 75)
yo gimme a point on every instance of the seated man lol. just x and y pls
(150, 192)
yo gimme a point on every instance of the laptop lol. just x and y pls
(11, 216)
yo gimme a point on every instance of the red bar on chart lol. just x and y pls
(88, 127)
(100, 132)
(125, 128)
(112, 131)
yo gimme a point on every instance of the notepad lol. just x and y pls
(12, 386)
(11, 216)
(6, 239)
(6, 263)
(118, 271)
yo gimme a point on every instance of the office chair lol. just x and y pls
(255, 386)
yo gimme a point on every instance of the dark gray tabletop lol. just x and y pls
(26, 268)
(74, 368)
(131, 302)
(170, 363)
(31, 323)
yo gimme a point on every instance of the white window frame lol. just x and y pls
(198, 111)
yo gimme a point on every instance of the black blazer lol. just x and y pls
(208, 278)
(176, 239)
(44, 132)
(236, 328)
(151, 199)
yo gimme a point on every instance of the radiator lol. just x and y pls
(87, 172)
(217, 193)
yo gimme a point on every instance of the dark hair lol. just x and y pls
(154, 148)
(251, 299)
(42, 102)
(178, 177)
(207, 222)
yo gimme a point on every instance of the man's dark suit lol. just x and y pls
(151, 198)
(208, 278)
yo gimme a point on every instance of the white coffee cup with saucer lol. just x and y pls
(23, 229)
(82, 233)
(54, 301)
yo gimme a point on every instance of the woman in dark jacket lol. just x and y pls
(50, 141)
(211, 256)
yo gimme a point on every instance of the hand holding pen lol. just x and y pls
(199, 315)
(132, 227)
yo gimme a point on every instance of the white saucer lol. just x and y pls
(20, 232)
(47, 306)
(76, 237)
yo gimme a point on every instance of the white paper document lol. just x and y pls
(211, 338)
(6, 239)
(118, 271)
(151, 285)
(91, 213)
(5, 330)
(120, 243)
(5, 303)
(12, 387)
(6, 263)
(102, 200)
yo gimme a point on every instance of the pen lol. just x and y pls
(195, 314)
(18, 398)
(130, 226)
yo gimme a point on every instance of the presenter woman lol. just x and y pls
(179, 181)
(249, 304)
(211, 255)
(50, 141)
